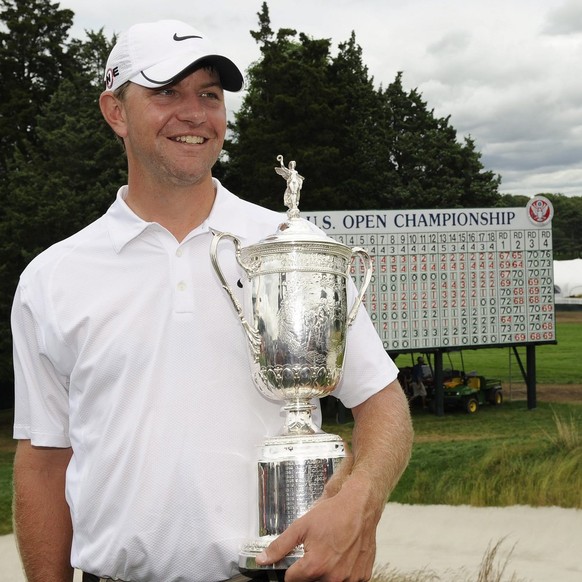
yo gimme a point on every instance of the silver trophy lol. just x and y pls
(295, 316)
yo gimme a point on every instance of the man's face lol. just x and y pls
(173, 135)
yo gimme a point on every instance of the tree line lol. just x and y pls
(359, 146)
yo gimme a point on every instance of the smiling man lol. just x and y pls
(136, 414)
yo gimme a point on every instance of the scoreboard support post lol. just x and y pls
(528, 374)
(531, 376)
(438, 384)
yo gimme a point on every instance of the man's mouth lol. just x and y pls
(189, 139)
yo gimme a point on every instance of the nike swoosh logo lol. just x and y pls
(176, 37)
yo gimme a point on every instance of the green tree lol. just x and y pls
(33, 60)
(356, 105)
(286, 111)
(566, 226)
(357, 147)
(432, 168)
(512, 200)
(90, 57)
(310, 107)
(480, 187)
(60, 180)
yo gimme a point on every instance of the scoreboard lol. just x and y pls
(459, 278)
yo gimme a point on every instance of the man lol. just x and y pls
(135, 412)
(418, 387)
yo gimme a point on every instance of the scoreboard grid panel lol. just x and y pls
(443, 287)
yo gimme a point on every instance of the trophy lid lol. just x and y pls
(295, 228)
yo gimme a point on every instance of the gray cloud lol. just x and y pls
(565, 19)
(451, 43)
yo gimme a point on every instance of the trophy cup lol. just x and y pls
(295, 317)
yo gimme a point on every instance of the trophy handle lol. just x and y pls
(252, 334)
(365, 258)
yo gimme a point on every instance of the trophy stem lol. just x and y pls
(298, 418)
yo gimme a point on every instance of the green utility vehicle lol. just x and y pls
(471, 391)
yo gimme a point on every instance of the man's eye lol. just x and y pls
(210, 95)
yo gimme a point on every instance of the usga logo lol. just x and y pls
(540, 210)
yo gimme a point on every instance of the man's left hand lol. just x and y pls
(338, 536)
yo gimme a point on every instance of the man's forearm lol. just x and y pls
(42, 521)
(381, 442)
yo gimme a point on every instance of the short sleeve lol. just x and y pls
(41, 393)
(367, 366)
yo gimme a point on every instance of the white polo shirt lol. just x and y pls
(127, 349)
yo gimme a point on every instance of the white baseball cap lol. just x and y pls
(154, 54)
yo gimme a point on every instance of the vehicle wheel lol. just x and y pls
(471, 405)
(498, 397)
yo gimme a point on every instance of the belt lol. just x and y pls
(261, 576)
(94, 578)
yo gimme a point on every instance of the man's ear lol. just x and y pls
(113, 112)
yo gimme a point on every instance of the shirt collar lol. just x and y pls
(225, 216)
(123, 224)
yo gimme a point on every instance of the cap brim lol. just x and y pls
(170, 71)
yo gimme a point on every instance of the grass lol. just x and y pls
(501, 456)
(6, 459)
(568, 432)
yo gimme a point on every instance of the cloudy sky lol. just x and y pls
(508, 72)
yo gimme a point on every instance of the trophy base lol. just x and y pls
(293, 471)
(247, 558)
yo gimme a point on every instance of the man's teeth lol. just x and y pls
(190, 139)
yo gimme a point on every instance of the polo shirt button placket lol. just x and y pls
(183, 299)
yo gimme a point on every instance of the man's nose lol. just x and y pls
(192, 109)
